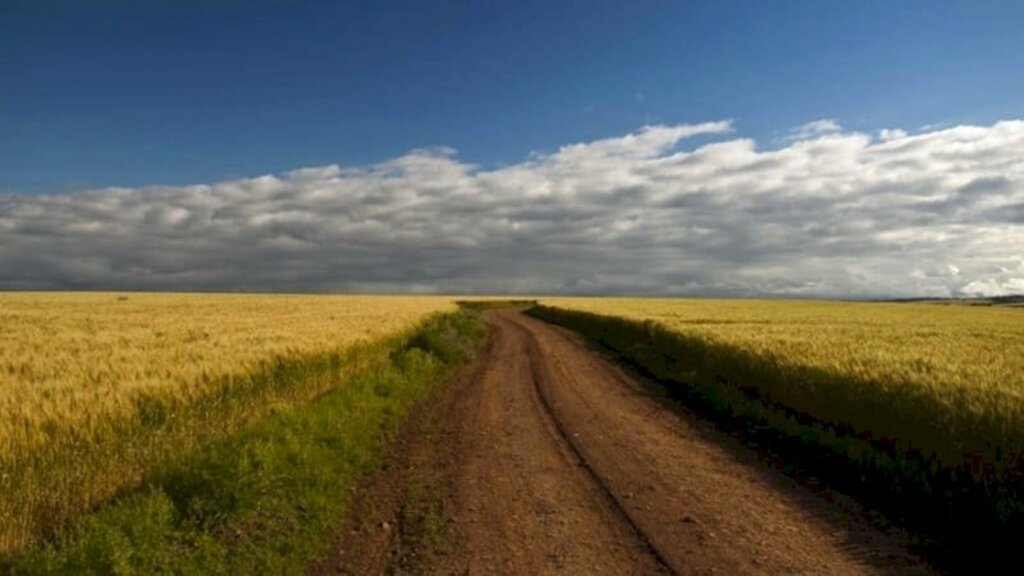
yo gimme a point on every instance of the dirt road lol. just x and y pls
(556, 461)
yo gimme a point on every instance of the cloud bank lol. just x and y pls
(830, 213)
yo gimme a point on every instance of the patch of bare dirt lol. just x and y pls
(546, 458)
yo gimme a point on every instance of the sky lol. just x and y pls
(815, 149)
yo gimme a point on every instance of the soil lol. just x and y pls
(543, 457)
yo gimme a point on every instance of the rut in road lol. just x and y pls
(565, 464)
(524, 501)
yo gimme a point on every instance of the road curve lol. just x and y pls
(564, 464)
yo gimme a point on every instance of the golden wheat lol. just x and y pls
(76, 369)
(924, 403)
(74, 360)
(980, 349)
(945, 380)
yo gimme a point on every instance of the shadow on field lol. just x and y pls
(960, 524)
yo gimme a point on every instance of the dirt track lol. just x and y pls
(556, 461)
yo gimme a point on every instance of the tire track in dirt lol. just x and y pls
(567, 465)
(524, 502)
(548, 459)
(595, 477)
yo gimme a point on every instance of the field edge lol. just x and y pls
(957, 522)
(271, 495)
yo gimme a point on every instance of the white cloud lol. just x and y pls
(814, 129)
(991, 288)
(832, 213)
(887, 134)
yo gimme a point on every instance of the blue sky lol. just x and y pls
(844, 149)
(109, 93)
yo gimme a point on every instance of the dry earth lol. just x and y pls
(545, 458)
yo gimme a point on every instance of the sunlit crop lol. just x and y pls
(954, 373)
(97, 389)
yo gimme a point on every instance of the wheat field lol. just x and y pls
(72, 361)
(97, 389)
(955, 372)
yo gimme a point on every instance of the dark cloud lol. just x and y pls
(831, 213)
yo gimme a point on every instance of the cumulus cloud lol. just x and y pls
(831, 213)
(891, 134)
(815, 128)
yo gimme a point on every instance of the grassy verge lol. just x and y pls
(44, 489)
(972, 506)
(98, 388)
(268, 497)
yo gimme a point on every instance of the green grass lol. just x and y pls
(49, 488)
(270, 497)
(495, 303)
